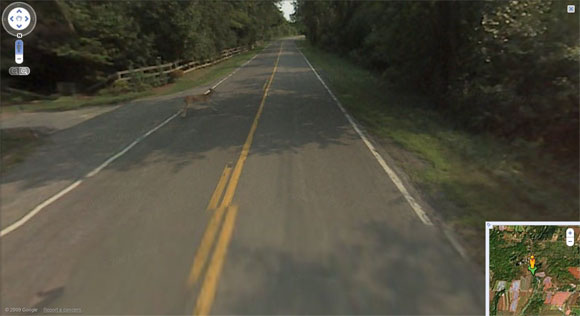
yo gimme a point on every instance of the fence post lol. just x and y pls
(188, 66)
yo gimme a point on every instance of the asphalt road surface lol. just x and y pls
(270, 205)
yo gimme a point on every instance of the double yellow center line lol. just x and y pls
(228, 181)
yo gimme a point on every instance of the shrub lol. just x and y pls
(116, 88)
(174, 75)
(120, 87)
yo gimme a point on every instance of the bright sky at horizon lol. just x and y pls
(287, 7)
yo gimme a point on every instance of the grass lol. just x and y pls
(16, 144)
(467, 178)
(190, 80)
(206, 75)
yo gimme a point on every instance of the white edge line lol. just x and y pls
(233, 72)
(396, 180)
(12, 227)
(451, 237)
(37, 209)
(241, 66)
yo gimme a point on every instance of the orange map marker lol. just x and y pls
(532, 266)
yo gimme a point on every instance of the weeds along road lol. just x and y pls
(271, 205)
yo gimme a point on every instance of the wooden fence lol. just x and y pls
(159, 70)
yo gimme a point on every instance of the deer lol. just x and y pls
(190, 100)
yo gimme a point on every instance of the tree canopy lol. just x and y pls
(83, 41)
(505, 67)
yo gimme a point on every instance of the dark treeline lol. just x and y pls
(83, 41)
(507, 68)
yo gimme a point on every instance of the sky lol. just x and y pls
(287, 8)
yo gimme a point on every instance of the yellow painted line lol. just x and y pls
(217, 193)
(211, 230)
(209, 287)
(265, 83)
(205, 246)
(232, 185)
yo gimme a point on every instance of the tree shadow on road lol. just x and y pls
(294, 117)
(368, 267)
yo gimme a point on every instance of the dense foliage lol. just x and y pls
(507, 68)
(83, 41)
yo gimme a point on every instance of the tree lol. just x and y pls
(83, 41)
(506, 68)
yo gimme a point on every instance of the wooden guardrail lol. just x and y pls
(158, 70)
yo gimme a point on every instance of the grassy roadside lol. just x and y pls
(188, 81)
(206, 75)
(16, 144)
(467, 178)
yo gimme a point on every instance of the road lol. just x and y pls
(271, 205)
